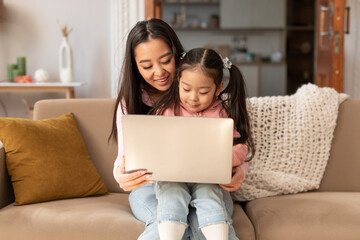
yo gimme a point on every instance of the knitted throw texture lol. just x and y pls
(292, 136)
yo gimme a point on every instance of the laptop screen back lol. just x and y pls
(180, 149)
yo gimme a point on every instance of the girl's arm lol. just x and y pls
(238, 163)
(239, 152)
(239, 166)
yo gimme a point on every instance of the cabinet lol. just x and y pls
(300, 42)
(251, 75)
(273, 80)
(252, 14)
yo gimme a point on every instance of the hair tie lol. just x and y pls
(226, 63)
(182, 55)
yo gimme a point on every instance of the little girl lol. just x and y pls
(197, 91)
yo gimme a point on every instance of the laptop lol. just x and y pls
(179, 149)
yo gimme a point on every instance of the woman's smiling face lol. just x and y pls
(156, 63)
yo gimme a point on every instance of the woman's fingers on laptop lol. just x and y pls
(236, 181)
(133, 180)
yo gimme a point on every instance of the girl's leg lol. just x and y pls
(143, 204)
(208, 200)
(173, 204)
(171, 230)
(218, 231)
(196, 233)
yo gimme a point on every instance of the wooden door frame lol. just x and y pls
(153, 9)
(338, 61)
(334, 72)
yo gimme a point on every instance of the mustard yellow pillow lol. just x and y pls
(47, 160)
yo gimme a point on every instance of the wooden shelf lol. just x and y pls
(191, 3)
(229, 30)
(260, 63)
(67, 88)
(300, 28)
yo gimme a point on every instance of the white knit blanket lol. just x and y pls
(292, 136)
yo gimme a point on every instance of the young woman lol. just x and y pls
(152, 54)
(197, 92)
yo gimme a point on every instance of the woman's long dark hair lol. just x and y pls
(233, 96)
(130, 80)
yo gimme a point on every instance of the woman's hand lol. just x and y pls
(131, 181)
(236, 180)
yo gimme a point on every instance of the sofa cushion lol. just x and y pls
(47, 160)
(343, 168)
(92, 218)
(282, 127)
(242, 224)
(310, 216)
(94, 119)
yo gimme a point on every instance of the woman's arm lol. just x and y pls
(237, 178)
(127, 181)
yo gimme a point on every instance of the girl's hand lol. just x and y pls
(131, 181)
(236, 180)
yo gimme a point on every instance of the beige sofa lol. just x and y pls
(332, 212)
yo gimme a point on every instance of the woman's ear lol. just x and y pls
(218, 90)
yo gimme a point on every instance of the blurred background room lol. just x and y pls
(279, 45)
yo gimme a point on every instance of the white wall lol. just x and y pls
(31, 30)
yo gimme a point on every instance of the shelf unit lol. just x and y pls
(190, 15)
(257, 73)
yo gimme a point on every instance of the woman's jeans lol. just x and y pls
(144, 204)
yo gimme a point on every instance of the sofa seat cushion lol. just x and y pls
(242, 224)
(91, 218)
(310, 216)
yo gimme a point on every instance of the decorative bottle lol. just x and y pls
(65, 58)
(65, 62)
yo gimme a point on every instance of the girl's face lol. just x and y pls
(156, 63)
(197, 91)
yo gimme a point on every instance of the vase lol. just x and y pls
(65, 62)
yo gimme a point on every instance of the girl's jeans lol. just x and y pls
(174, 199)
(144, 204)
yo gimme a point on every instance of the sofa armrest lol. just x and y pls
(342, 172)
(6, 191)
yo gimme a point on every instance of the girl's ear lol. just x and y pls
(218, 90)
